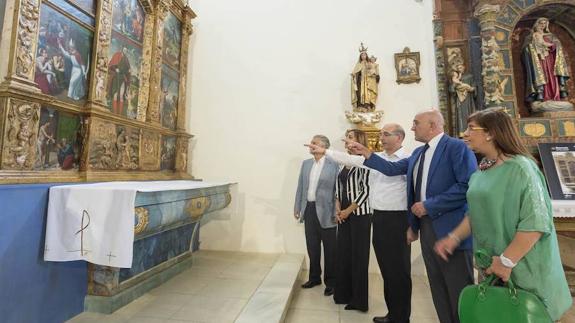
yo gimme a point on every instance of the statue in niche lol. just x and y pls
(546, 69)
(463, 92)
(364, 81)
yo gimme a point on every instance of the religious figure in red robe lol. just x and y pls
(545, 64)
(119, 80)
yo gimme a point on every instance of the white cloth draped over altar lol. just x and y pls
(95, 222)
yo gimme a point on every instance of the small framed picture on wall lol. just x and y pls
(407, 67)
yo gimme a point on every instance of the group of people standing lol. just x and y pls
(437, 195)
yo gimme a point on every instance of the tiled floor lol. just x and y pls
(219, 284)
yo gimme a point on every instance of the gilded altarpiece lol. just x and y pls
(92, 91)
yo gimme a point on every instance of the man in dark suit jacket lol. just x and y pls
(315, 206)
(437, 177)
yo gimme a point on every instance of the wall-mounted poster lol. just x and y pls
(168, 155)
(128, 18)
(124, 76)
(559, 165)
(169, 97)
(59, 142)
(172, 41)
(63, 57)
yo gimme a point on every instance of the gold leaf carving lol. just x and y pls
(534, 129)
(143, 217)
(150, 155)
(569, 127)
(19, 150)
(26, 44)
(197, 206)
(182, 155)
(104, 38)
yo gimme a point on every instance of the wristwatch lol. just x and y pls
(507, 262)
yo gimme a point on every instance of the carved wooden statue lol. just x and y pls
(364, 82)
(546, 68)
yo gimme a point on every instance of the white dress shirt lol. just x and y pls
(314, 178)
(428, 157)
(386, 193)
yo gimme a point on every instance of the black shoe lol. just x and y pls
(349, 307)
(310, 284)
(382, 319)
(328, 291)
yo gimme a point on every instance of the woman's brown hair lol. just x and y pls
(504, 133)
(360, 136)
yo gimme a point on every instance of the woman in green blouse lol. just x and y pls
(510, 214)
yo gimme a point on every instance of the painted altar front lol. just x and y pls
(161, 220)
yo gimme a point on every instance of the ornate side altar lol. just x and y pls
(160, 220)
(94, 90)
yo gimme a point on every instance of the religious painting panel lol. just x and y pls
(169, 97)
(59, 142)
(168, 156)
(128, 19)
(63, 56)
(171, 46)
(558, 161)
(85, 12)
(407, 66)
(124, 67)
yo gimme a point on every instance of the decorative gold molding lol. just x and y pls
(28, 20)
(143, 216)
(150, 151)
(146, 68)
(21, 133)
(182, 154)
(98, 90)
(197, 206)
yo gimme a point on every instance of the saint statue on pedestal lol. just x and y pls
(463, 96)
(545, 64)
(364, 81)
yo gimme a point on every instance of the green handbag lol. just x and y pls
(485, 303)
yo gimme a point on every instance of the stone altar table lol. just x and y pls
(166, 220)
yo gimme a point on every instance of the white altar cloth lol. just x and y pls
(95, 222)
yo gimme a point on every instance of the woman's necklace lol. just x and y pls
(487, 163)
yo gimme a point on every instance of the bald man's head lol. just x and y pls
(427, 124)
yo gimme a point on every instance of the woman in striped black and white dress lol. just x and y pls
(353, 233)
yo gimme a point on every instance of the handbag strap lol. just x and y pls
(482, 258)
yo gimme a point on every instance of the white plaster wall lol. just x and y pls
(265, 76)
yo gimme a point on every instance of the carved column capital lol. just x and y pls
(487, 15)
